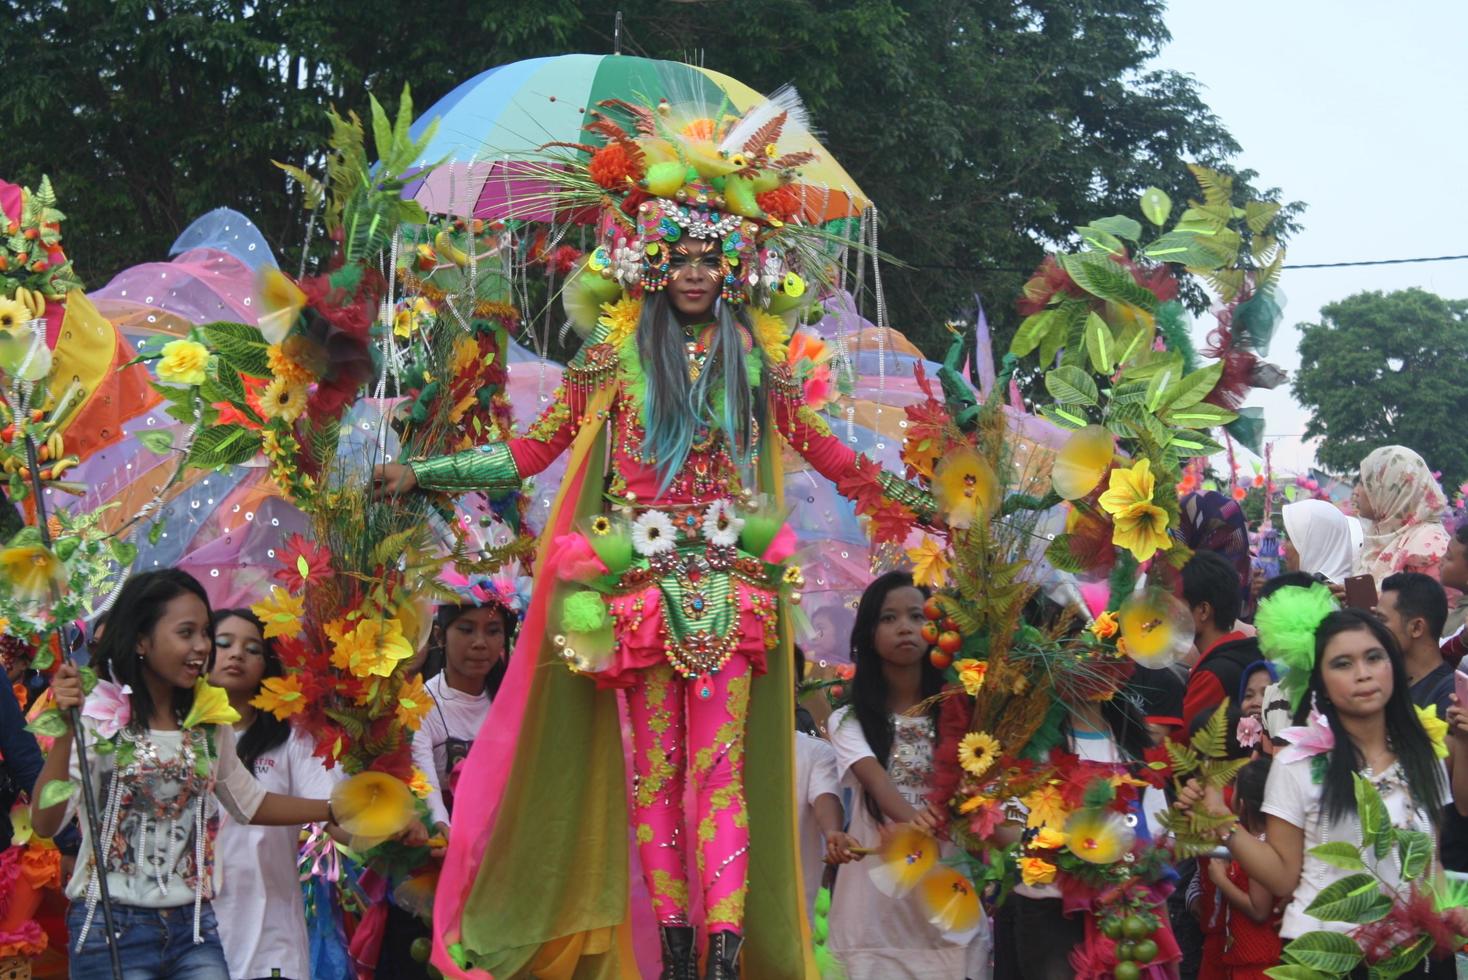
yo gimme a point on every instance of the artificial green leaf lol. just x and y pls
(1415, 850)
(1192, 388)
(1072, 386)
(56, 791)
(1355, 898)
(1339, 854)
(1129, 393)
(1200, 416)
(1032, 330)
(1059, 554)
(1098, 275)
(1332, 953)
(1100, 345)
(124, 552)
(1403, 960)
(1187, 443)
(1101, 240)
(49, 723)
(1121, 226)
(155, 532)
(159, 441)
(1258, 214)
(1293, 971)
(89, 679)
(240, 346)
(1065, 418)
(223, 445)
(1372, 811)
(1186, 249)
(1156, 206)
(1158, 384)
(66, 547)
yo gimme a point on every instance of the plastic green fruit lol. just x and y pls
(420, 949)
(1145, 951)
(1135, 927)
(1111, 928)
(1125, 950)
(1127, 971)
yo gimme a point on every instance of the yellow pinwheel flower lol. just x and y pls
(1139, 525)
(281, 613)
(32, 571)
(1081, 462)
(1099, 836)
(281, 696)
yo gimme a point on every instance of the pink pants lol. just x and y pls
(669, 720)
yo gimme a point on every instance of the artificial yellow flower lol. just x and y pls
(929, 564)
(414, 702)
(282, 302)
(965, 488)
(372, 805)
(1105, 626)
(977, 752)
(1140, 526)
(32, 571)
(211, 706)
(371, 648)
(281, 696)
(1046, 808)
(971, 675)
(973, 803)
(283, 400)
(183, 362)
(1099, 836)
(1081, 462)
(12, 314)
(1436, 729)
(1050, 839)
(1036, 871)
(285, 367)
(281, 613)
(420, 785)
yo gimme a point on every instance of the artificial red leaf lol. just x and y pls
(891, 521)
(861, 484)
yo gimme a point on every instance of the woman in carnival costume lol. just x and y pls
(661, 574)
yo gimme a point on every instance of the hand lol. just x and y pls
(1189, 795)
(413, 835)
(438, 850)
(1217, 872)
(932, 820)
(66, 687)
(1457, 718)
(1339, 591)
(838, 847)
(392, 479)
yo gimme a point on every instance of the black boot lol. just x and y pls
(680, 958)
(724, 956)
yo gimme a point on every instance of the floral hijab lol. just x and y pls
(1214, 522)
(1405, 532)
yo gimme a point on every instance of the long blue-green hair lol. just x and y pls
(724, 398)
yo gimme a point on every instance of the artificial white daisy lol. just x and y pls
(653, 533)
(721, 526)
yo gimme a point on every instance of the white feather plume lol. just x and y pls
(784, 99)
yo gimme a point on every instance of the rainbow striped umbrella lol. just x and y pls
(503, 115)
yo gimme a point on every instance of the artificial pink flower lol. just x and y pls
(1249, 731)
(782, 546)
(576, 561)
(1310, 739)
(110, 706)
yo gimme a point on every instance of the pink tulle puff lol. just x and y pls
(576, 560)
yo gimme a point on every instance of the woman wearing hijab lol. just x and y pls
(1318, 540)
(1214, 522)
(1401, 505)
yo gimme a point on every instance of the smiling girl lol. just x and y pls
(170, 762)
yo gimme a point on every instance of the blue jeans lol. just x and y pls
(153, 944)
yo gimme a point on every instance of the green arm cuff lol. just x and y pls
(490, 468)
(915, 499)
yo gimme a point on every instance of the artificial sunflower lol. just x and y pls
(977, 752)
(794, 576)
(283, 400)
(12, 314)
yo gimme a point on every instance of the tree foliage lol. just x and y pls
(986, 130)
(1387, 368)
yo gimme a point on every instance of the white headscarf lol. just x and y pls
(1321, 533)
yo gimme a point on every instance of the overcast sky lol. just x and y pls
(1358, 109)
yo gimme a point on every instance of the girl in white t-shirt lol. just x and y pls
(261, 911)
(885, 759)
(1359, 686)
(171, 764)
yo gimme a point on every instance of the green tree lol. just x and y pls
(984, 129)
(1384, 369)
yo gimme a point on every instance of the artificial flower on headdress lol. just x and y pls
(211, 706)
(809, 359)
(512, 594)
(977, 752)
(1436, 728)
(721, 526)
(653, 533)
(109, 706)
(1313, 738)
(281, 696)
(1140, 525)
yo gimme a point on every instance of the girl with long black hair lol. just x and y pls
(884, 756)
(1358, 686)
(262, 914)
